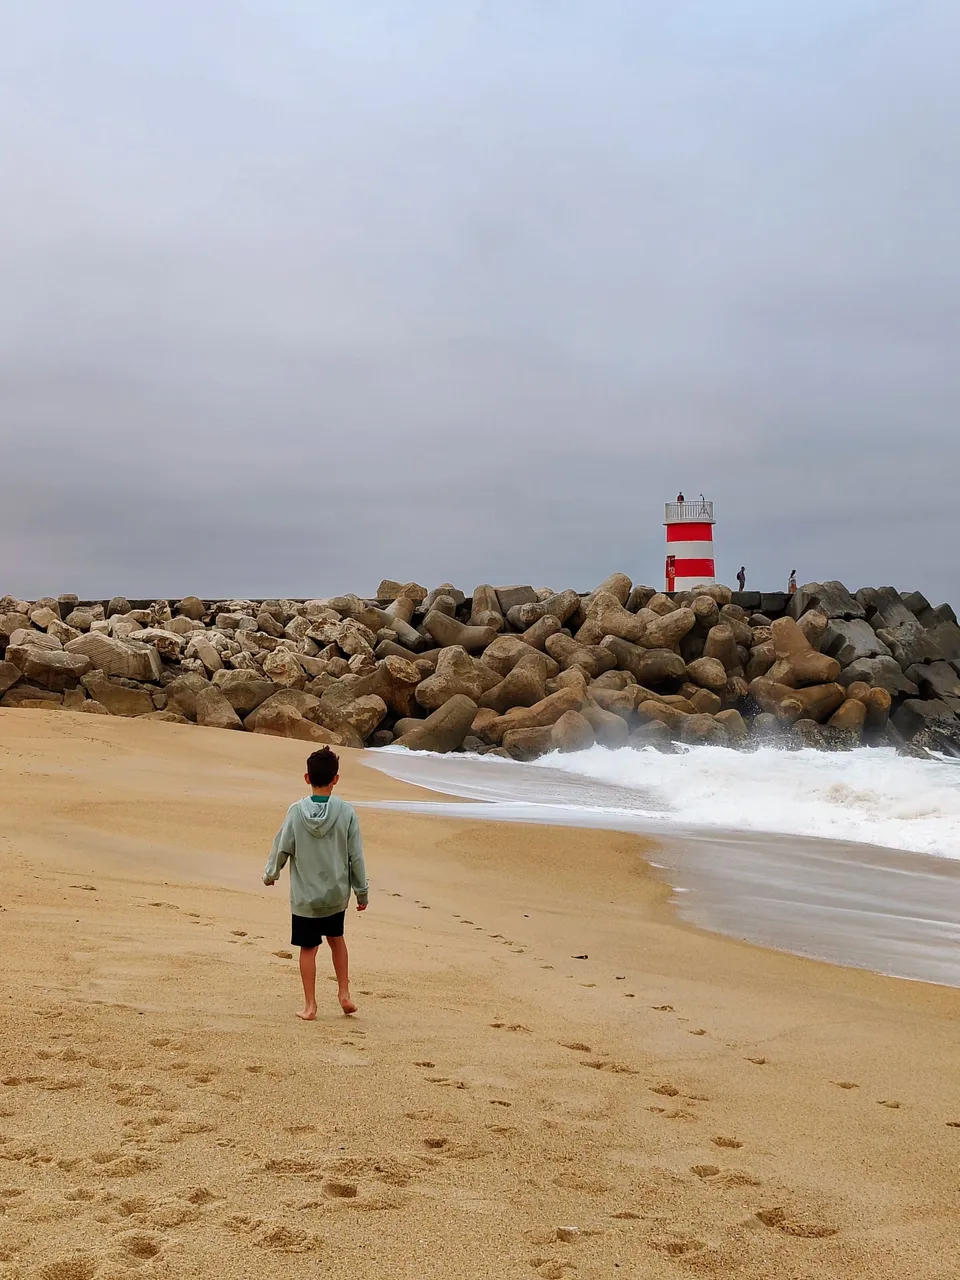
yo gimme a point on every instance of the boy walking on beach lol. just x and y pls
(321, 838)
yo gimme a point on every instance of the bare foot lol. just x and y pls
(309, 1014)
(346, 1004)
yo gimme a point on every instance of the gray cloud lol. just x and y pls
(298, 297)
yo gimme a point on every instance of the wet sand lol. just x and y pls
(549, 1075)
(853, 904)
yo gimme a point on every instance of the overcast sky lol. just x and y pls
(297, 295)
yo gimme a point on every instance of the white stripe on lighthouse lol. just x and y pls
(690, 550)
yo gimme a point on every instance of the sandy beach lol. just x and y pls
(550, 1074)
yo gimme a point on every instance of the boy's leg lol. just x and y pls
(338, 949)
(308, 976)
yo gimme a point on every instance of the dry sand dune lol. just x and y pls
(539, 1047)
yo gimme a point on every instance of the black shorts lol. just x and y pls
(310, 931)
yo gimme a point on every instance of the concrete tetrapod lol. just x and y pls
(445, 729)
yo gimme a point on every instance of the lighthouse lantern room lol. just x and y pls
(689, 528)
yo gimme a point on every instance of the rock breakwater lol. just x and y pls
(517, 671)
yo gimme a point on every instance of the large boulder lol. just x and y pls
(933, 679)
(884, 673)
(830, 598)
(485, 608)
(916, 714)
(10, 673)
(305, 704)
(722, 645)
(617, 585)
(125, 658)
(798, 662)
(243, 690)
(456, 673)
(445, 729)
(281, 720)
(523, 686)
(284, 669)
(909, 643)
(647, 666)
(572, 732)
(594, 659)
(31, 696)
(168, 644)
(448, 631)
(610, 729)
(362, 714)
(51, 668)
(541, 715)
(528, 744)
(848, 641)
(182, 693)
(510, 597)
(708, 673)
(116, 697)
(214, 711)
(191, 607)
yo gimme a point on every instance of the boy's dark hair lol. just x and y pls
(322, 767)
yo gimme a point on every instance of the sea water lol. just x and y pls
(849, 857)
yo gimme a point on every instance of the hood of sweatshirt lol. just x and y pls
(320, 818)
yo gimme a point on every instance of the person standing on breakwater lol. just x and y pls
(792, 583)
(321, 838)
(742, 578)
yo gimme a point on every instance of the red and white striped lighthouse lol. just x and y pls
(689, 528)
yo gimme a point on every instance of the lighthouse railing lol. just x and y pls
(677, 512)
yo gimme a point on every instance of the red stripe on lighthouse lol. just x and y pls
(692, 532)
(693, 569)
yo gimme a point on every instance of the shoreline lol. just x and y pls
(854, 904)
(679, 1098)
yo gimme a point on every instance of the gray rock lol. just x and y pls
(916, 714)
(214, 711)
(773, 603)
(884, 673)
(889, 609)
(10, 673)
(509, 597)
(848, 641)
(946, 636)
(910, 643)
(916, 602)
(935, 680)
(31, 696)
(829, 598)
(49, 668)
(119, 604)
(117, 698)
(113, 657)
(243, 691)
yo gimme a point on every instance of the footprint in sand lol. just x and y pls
(894, 1106)
(758, 1062)
(283, 955)
(576, 1045)
(782, 1220)
(705, 1170)
(734, 1144)
(663, 1008)
(665, 1090)
(846, 1084)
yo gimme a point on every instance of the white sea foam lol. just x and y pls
(869, 796)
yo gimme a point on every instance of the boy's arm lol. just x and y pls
(358, 871)
(284, 846)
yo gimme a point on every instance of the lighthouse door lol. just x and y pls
(671, 572)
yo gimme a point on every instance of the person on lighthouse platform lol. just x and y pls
(680, 497)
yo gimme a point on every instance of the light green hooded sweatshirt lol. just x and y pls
(321, 837)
